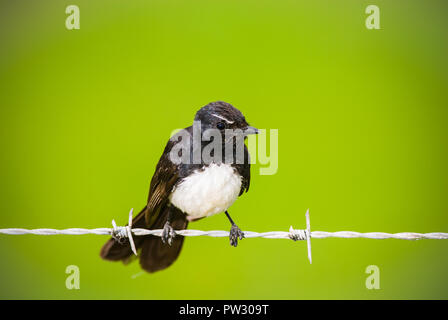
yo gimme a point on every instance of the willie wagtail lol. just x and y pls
(186, 187)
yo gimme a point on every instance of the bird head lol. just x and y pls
(222, 115)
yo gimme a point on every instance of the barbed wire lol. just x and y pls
(119, 233)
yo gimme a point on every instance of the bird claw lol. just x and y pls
(235, 233)
(168, 234)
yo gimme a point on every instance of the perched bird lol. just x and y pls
(186, 187)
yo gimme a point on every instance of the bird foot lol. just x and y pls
(168, 233)
(235, 233)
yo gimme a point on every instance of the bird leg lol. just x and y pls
(168, 233)
(235, 232)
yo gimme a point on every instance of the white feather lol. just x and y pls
(222, 118)
(208, 191)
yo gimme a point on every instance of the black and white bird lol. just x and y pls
(187, 190)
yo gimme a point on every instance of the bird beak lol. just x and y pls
(250, 130)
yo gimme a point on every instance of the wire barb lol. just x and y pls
(297, 234)
(121, 233)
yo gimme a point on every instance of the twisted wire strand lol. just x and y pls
(379, 235)
(119, 233)
(247, 234)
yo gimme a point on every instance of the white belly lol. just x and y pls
(207, 192)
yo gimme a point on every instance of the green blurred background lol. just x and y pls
(362, 119)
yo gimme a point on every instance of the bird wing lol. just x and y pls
(163, 181)
(244, 171)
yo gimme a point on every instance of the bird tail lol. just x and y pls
(154, 254)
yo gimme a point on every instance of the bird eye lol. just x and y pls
(220, 125)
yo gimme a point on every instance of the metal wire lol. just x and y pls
(120, 233)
